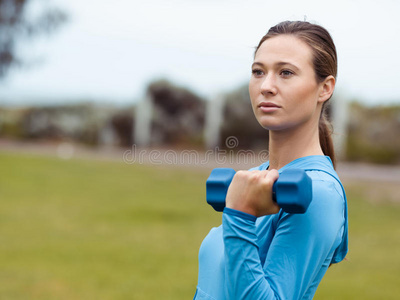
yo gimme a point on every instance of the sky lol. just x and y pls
(109, 51)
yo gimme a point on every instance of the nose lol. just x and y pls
(268, 86)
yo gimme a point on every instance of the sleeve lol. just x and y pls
(297, 253)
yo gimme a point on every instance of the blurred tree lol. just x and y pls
(178, 115)
(373, 134)
(17, 22)
(123, 125)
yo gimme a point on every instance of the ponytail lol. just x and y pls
(325, 137)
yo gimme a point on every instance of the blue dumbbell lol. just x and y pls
(292, 191)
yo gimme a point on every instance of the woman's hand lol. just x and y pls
(251, 192)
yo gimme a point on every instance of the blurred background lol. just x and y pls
(112, 114)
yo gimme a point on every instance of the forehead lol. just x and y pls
(285, 48)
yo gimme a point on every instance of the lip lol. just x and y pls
(268, 107)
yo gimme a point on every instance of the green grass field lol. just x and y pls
(87, 229)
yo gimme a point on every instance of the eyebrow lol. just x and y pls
(279, 64)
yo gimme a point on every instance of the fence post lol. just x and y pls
(143, 120)
(214, 116)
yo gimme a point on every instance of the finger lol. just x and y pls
(273, 175)
(270, 175)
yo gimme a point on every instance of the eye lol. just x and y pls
(286, 73)
(257, 72)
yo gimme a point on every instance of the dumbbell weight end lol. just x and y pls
(292, 191)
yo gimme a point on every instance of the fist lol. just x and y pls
(251, 192)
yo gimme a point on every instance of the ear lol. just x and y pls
(327, 88)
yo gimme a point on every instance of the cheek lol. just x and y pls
(304, 105)
(304, 95)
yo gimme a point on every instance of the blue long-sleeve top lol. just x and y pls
(280, 256)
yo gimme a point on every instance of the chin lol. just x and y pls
(269, 124)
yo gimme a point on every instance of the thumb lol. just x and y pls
(273, 175)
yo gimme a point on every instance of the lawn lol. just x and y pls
(90, 229)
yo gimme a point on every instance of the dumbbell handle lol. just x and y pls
(292, 191)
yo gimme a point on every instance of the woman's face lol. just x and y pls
(283, 90)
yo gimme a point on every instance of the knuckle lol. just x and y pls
(268, 180)
(254, 177)
(240, 174)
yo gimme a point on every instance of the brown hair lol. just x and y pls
(324, 63)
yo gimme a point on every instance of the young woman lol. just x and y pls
(259, 251)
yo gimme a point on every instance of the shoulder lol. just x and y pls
(326, 214)
(326, 217)
(328, 199)
(324, 177)
(325, 183)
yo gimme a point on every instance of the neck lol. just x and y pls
(288, 145)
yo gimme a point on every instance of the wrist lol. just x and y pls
(242, 207)
(240, 214)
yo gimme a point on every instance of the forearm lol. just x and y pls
(244, 272)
